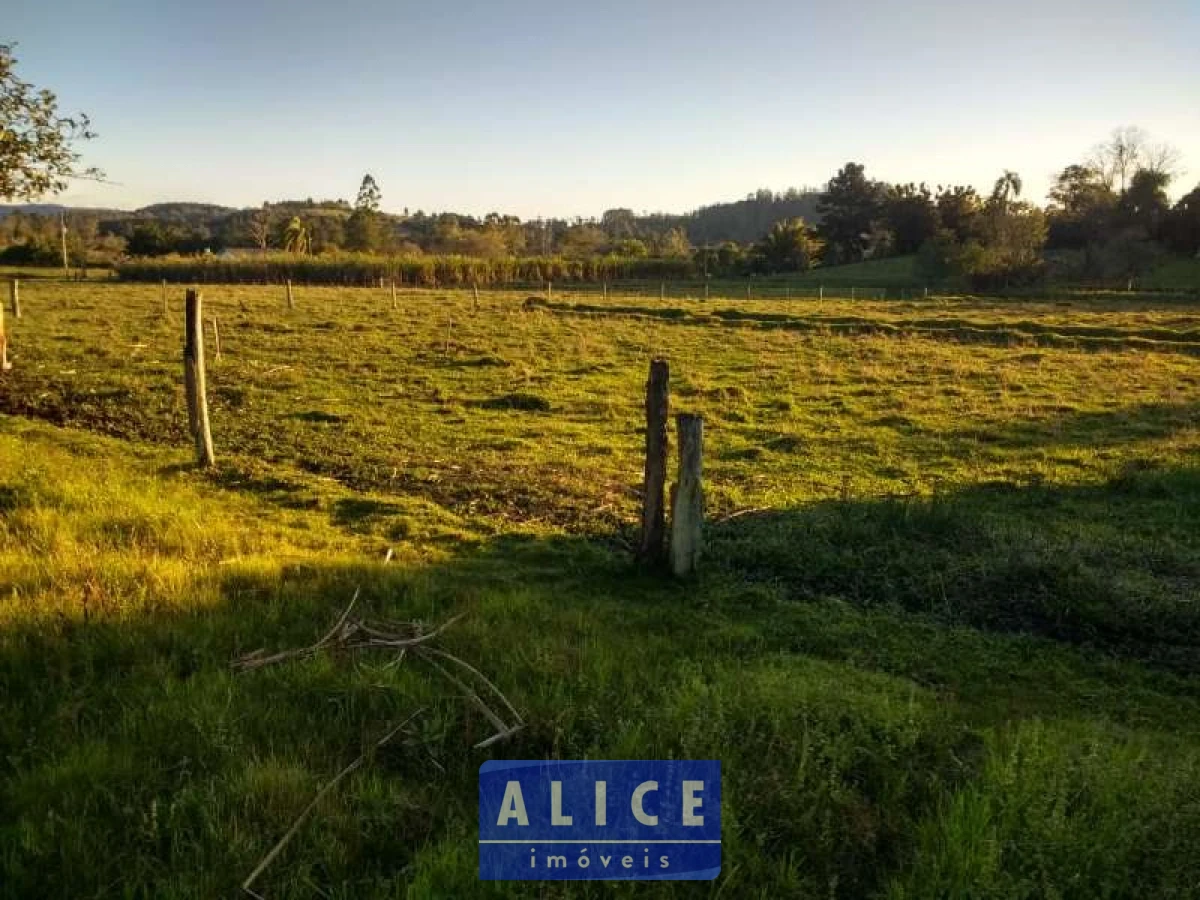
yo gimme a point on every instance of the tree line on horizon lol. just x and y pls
(1109, 218)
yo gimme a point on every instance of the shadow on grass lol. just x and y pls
(1140, 422)
(1110, 567)
(133, 754)
(359, 513)
(260, 481)
(965, 331)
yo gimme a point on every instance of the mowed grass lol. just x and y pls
(945, 642)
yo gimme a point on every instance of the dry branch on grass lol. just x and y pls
(403, 639)
(352, 634)
(291, 832)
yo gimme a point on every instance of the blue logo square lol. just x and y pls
(641, 820)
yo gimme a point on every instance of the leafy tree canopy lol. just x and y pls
(37, 155)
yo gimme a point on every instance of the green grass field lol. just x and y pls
(1176, 273)
(53, 273)
(945, 640)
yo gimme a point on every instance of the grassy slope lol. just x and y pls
(947, 693)
(897, 271)
(1176, 273)
(95, 273)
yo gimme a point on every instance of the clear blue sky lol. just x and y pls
(539, 108)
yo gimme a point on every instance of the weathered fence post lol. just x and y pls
(14, 293)
(5, 365)
(291, 302)
(653, 507)
(549, 292)
(193, 378)
(687, 516)
(162, 292)
(605, 290)
(662, 290)
(394, 305)
(216, 339)
(926, 293)
(821, 292)
(475, 296)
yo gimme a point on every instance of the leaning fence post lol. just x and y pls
(290, 300)
(193, 377)
(687, 515)
(653, 508)
(14, 293)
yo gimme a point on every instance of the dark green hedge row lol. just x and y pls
(426, 271)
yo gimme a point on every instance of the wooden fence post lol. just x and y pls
(654, 526)
(394, 305)
(662, 290)
(821, 292)
(605, 290)
(193, 378)
(14, 293)
(291, 302)
(162, 290)
(687, 515)
(549, 292)
(216, 339)
(5, 365)
(475, 296)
